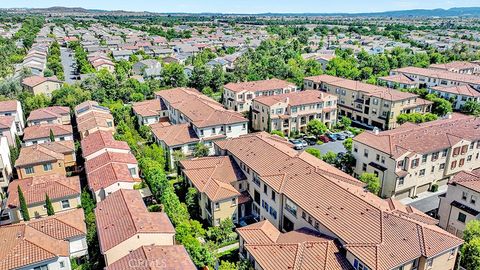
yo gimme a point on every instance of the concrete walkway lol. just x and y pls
(426, 201)
(229, 247)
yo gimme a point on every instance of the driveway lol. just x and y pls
(67, 62)
(336, 147)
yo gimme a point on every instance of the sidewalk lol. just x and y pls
(229, 247)
(426, 201)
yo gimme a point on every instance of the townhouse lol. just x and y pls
(148, 69)
(46, 158)
(150, 112)
(52, 115)
(92, 117)
(64, 193)
(195, 118)
(459, 94)
(238, 96)
(155, 257)
(6, 171)
(290, 113)
(14, 108)
(412, 158)
(41, 85)
(459, 205)
(367, 104)
(38, 134)
(427, 77)
(8, 130)
(268, 248)
(462, 67)
(295, 190)
(38, 250)
(110, 172)
(124, 224)
(220, 184)
(101, 142)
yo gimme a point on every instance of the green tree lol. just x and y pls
(314, 152)
(278, 133)
(23, 205)
(52, 136)
(226, 265)
(472, 230)
(471, 254)
(173, 75)
(191, 200)
(372, 181)
(200, 150)
(330, 157)
(471, 107)
(49, 206)
(345, 122)
(348, 144)
(316, 127)
(440, 106)
(221, 233)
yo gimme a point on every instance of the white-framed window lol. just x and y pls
(29, 170)
(47, 167)
(133, 171)
(65, 204)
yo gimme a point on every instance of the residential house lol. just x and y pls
(8, 129)
(41, 85)
(110, 172)
(291, 112)
(5, 165)
(124, 224)
(92, 117)
(321, 58)
(238, 96)
(64, 193)
(122, 55)
(37, 249)
(367, 104)
(156, 258)
(148, 69)
(462, 67)
(150, 112)
(398, 81)
(459, 205)
(46, 158)
(412, 158)
(13, 108)
(101, 142)
(295, 190)
(39, 134)
(269, 249)
(458, 94)
(104, 64)
(51, 115)
(219, 183)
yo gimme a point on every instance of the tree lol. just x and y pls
(346, 122)
(226, 265)
(440, 106)
(348, 144)
(471, 254)
(372, 181)
(23, 205)
(191, 200)
(52, 136)
(316, 127)
(330, 157)
(472, 230)
(221, 233)
(471, 107)
(314, 152)
(200, 150)
(49, 206)
(173, 75)
(278, 133)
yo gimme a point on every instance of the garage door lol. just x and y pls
(402, 195)
(423, 188)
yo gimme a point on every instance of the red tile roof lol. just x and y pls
(99, 140)
(109, 157)
(296, 98)
(156, 258)
(43, 131)
(148, 107)
(36, 80)
(264, 85)
(6, 122)
(8, 106)
(48, 113)
(465, 90)
(34, 189)
(108, 175)
(62, 226)
(468, 179)
(173, 135)
(439, 74)
(123, 214)
(94, 119)
(42, 153)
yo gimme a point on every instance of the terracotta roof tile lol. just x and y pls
(173, 135)
(8, 105)
(43, 131)
(40, 153)
(6, 122)
(62, 226)
(110, 174)
(99, 140)
(263, 85)
(439, 74)
(468, 179)
(296, 98)
(48, 113)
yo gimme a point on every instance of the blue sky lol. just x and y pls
(247, 6)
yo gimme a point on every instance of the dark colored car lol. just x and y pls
(324, 138)
(340, 136)
(310, 140)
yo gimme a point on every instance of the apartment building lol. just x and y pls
(101, 142)
(150, 112)
(64, 193)
(110, 172)
(37, 249)
(41, 85)
(367, 104)
(46, 158)
(5, 165)
(52, 115)
(13, 108)
(39, 134)
(238, 96)
(462, 67)
(195, 118)
(124, 224)
(458, 94)
(413, 157)
(157, 257)
(459, 205)
(268, 248)
(295, 190)
(220, 183)
(291, 112)
(428, 77)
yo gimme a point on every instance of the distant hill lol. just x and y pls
(452, 12)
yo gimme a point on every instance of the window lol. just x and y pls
(442, 166)
(414, 163)
(365, 153)
(464, 149)
(47, 167)
(382, 159)
(133, 171)
(234, 201)
(456, 151)
(401, 181)
(217, 222)
(454, 165)
(429, 263)
(444, 152)
(273, 212)
(422, 172)
(273, 195)
(462, 161)
(378, 157)
(291, 207)
(65, 204)
(434, 156)
(43, 267)
(364, 167)
(217, 206)
(359, 265)
(464, 196)
(29, 170)
(304, 215)
(265, 189)
(469, 158)
(229, 129)
(462, 217)
(214, 130)
(424, 158)
(433, 169)
(473, 199)
(109, 124)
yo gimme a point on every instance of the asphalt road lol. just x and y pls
(336, 147)
(67, 62)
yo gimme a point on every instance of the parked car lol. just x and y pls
(340, 136)
(323, 138)
(349, 134)
(297, 144)
(332, 136)
(311, 140)
(304, 143)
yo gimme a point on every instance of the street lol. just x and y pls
(67, 62)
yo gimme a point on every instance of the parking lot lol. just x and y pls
(336, 147)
